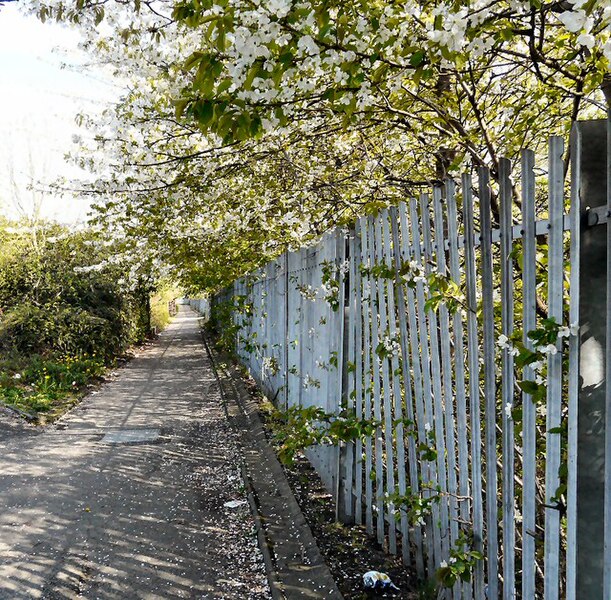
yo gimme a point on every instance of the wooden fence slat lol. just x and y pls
(507, 380)
(261, 325)
(529, 323)
(573, 383)
(437, 386)
(434, 555)
(389, 451)
(267, 324)
(286, 317)
(281, 330)
(335, 372)
(554, 369)
(301, 325)
(246, 323)
(446, 372)
(332, 352)
(323, 321)
(316, 394)
(474, 398)
(397, 408)
(236, 316)
(407, 255)
(304, 346)
(249, 285)
(607, 447)
(367, 382)
(255, 293)
(293, 314)
(465, 591)
(412, 457)
(269, 317)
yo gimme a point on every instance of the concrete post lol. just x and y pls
(594, 316)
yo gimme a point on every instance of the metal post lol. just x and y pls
(590, 140)
(286, 325)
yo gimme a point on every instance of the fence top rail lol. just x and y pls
(517, 231)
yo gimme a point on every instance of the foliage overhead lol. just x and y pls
(251, 126)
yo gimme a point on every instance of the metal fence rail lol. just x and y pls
(454, 331)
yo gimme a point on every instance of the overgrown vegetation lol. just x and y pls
(160, 312)
(299, 428)
(67, 311)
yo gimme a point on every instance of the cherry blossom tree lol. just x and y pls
(251, 126)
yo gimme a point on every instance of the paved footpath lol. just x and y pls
(125, 497)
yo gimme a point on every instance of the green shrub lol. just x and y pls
(39, 384)
(67, 308)
(160, 314)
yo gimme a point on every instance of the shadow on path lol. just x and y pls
(124, 497)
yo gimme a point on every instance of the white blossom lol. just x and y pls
(587, 40)
(503, 341)
(548, 349)
(307, 45)
(573, 20)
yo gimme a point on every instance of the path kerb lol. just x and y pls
(295, 565)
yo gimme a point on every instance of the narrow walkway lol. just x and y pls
(125, 497)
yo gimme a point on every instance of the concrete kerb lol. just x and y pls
(295, 566)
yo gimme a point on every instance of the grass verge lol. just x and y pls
(42, 388)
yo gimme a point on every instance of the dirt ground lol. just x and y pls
(348, 550)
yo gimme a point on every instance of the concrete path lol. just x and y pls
(124, 498)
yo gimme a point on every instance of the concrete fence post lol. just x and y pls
(590, 168)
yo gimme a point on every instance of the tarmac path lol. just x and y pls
(125, 496)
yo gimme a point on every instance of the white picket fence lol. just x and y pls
(404, 319)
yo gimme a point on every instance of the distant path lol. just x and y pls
(124, 498)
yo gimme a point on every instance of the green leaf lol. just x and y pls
(223, 86)
(529, 387)
(180, 106)
(252, 73)
(193, 60)
(417, 58)
(526, 357)
(203, 111)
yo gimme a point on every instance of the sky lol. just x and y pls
(42, 89)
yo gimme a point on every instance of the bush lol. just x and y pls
(32, 329)
(67, 309)
(66, 296)
(160, 314)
